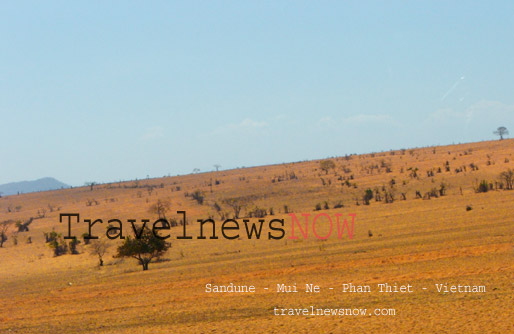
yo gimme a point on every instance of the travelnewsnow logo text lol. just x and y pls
(321, 226)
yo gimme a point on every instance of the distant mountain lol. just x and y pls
(23, 187)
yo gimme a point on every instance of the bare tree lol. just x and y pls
(508, 177)
(90, 185)
(24, 226)
(501, 131)
(237, 204)
(160, 208)
(99, 248)
(327, 165)
(217, 166)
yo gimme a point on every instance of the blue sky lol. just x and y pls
(115, 90)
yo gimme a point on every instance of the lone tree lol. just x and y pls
(144, 247)
(501, 131)
(99, 248)
(217, 166)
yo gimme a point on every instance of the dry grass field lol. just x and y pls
(462, 237)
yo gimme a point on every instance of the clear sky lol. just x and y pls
(115, 90)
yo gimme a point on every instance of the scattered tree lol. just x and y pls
(442, 189)
(389, 196)
(91, 202)
(237, 204)
(90, 185)
(99, 248)
(482, 187)
(72, 246)
(85, 236)
(216, 207)
(368, 195)
(24, 227)
(501, 131)
(198, 196)
(413, 172)
(258, 213)
(160, 208)
(144, 249)
(327, 165)
(57, 244)
(508, 178)
(41, 213)
(3, 233)
(338, 205)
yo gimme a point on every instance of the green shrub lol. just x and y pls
(483, 187)
(368, 195)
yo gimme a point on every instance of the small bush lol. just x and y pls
(86, 241)
(434, 192)
(338, 205)
(198, 196)
(483, 187)
(58, 245)
(442, 189)
(368, 195)
(51, 236)
(72, 246)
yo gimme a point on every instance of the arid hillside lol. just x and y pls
(423, 216)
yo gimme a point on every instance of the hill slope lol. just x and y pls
(425, 225)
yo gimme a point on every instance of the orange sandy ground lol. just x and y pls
(414, 241)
